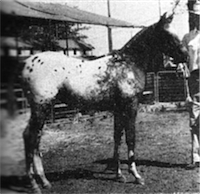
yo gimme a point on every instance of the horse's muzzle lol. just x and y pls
(181, 57)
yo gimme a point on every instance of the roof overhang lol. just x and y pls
(12, 42)
(57, 12)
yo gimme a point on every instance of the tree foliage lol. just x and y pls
(45, 36)
(42, 34)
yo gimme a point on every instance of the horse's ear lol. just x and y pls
(165, 21)
(167, 17)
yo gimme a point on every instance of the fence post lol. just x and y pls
(156, 89)
(157, 78)
(52, 113)
(24, 102)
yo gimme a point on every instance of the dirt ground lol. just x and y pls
(75, 156)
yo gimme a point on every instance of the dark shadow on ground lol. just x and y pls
(21, 184)
(78, 173)
(108, 173)
(110, 162)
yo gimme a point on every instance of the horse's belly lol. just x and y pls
(88, 91)
(89, 87)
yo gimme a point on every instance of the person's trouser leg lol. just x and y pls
(194, 112)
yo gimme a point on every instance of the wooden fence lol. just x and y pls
(58, 110)
(165, 86)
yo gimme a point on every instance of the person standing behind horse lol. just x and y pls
(192, 43)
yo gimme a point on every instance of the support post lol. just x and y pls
(67, 44)
(109, 29)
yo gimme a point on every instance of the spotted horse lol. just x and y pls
(114, 82)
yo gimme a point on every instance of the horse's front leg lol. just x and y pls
(118, 132)
(130, 140)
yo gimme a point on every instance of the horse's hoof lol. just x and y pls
(47, 186)
(121, 178)
(35, 190)
(140, 181)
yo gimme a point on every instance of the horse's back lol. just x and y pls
(44, 73)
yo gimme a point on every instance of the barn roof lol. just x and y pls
(57, 12)
(12, 42)
(74, 44)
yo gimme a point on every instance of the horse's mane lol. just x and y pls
(138, 38)
(134, 38)
(134, 44)
(137, 46)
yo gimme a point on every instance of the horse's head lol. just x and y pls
(168, 41)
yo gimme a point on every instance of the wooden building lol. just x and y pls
(75, 48)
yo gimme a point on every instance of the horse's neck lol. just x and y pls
(139, 53)
(140, 49)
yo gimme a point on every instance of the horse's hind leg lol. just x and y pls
(32, 136)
